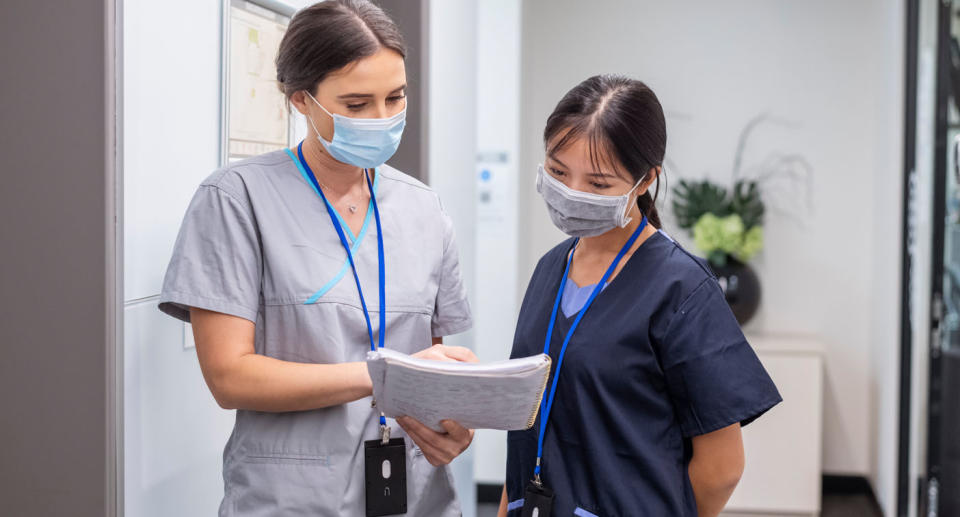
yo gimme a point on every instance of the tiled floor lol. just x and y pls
(833, 506)
(848, 506)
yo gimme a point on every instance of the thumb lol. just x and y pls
(454, 429)
(460, 354)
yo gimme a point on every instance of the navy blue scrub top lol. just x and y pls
(657, 359)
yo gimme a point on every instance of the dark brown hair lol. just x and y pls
(623, 122)
(328, 36)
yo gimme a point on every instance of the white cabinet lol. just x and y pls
(783, 447)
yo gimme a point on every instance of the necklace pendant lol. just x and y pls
(353, 209)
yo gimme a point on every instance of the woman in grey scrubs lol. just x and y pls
(260, 268)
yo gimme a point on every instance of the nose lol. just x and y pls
(577, 183)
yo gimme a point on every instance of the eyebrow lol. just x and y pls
(554, 158)
(591, 174)
(401, 89)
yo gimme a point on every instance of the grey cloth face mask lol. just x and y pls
(582, 214)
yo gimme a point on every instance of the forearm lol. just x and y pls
(502, 511)
(711, 488)
(262, 383)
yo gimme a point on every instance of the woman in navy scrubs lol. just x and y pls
(652, 378)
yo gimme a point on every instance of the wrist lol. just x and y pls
(364, 381)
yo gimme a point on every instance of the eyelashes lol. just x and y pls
(559, 173)
(390, 100)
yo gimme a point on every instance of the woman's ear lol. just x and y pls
(299, 101)
(651, 176)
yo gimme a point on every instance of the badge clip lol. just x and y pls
(384, 434)
(537, 499)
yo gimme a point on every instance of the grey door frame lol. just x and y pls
(114, 123)
(59, 269)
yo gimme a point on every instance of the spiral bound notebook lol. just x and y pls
(503, 395)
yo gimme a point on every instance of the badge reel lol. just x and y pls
(537, 499)
(386, 474)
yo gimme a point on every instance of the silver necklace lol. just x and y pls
(351, 207)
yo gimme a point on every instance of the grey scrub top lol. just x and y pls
(257, 242)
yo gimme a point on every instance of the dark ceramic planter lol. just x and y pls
(741, 287)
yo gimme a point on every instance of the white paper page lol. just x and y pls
(500, 368)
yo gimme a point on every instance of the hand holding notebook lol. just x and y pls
(503, 395)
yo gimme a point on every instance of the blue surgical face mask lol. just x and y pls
(362, 142)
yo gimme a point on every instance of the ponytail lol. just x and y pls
(648, 206)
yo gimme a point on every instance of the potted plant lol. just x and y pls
(727, 226)
(726, 223)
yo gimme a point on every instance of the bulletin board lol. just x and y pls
(255, 118)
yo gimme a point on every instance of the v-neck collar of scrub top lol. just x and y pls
(575, 297)
(355, 240)
(613, 281)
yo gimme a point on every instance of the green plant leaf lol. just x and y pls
(693, 199)
(747, 203)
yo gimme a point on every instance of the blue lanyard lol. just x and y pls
(547, 403)
(346, 246)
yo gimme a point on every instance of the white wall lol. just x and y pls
(451, 148)
(174, 432)
(834, 70)
(887, 36)
(498, 144)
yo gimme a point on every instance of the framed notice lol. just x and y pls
(254, 115)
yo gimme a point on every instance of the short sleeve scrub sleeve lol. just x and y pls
(257, 243)
(657, 359)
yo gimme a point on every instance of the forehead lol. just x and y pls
(380, 73)
(581, 155)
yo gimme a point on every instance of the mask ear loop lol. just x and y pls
(314, 126)
(626, 218)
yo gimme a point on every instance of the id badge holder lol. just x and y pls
(537, 500)
(385, 473)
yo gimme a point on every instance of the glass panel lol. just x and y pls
(945, 359)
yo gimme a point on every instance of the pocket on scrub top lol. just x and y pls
(284, 484)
